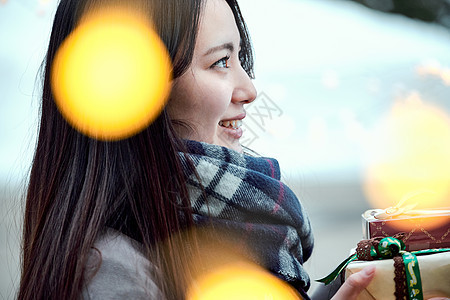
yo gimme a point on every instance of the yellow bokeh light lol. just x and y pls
(240, 280)
(111, 76)
(409, 153)
(434, 68)
(445, 75)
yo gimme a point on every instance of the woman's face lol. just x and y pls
(211, 94)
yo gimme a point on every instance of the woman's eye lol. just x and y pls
(222, 63)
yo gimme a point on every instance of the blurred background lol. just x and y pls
(328, 74)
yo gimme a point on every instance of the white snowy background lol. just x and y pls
(329, 70)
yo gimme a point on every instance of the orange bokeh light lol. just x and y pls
(433, 68)
(240, 280)
(409, 154)
(111, 76)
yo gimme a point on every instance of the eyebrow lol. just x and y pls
(226, 46)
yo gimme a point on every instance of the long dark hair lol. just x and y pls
(78, 186)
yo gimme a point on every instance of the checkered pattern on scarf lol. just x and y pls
(245, 196)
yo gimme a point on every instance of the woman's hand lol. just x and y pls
(355, 284)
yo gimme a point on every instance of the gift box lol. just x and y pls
(434, 276)
(419, 226)
(399, 274)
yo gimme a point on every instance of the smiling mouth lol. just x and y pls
(233, 124)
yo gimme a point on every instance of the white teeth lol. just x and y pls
(235, 124)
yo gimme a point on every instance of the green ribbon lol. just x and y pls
(333, 275)
(413, 281)
(388, 248)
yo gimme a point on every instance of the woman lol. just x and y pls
(102, 218)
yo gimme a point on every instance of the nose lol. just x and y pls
(244, 91)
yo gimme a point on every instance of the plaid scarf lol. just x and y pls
(244, 195)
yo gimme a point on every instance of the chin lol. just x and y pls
(236, 146)
(229, 138)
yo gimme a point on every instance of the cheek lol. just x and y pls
(215, 99)
(182, 102)
(204, 99)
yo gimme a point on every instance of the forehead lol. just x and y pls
(217, 24)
